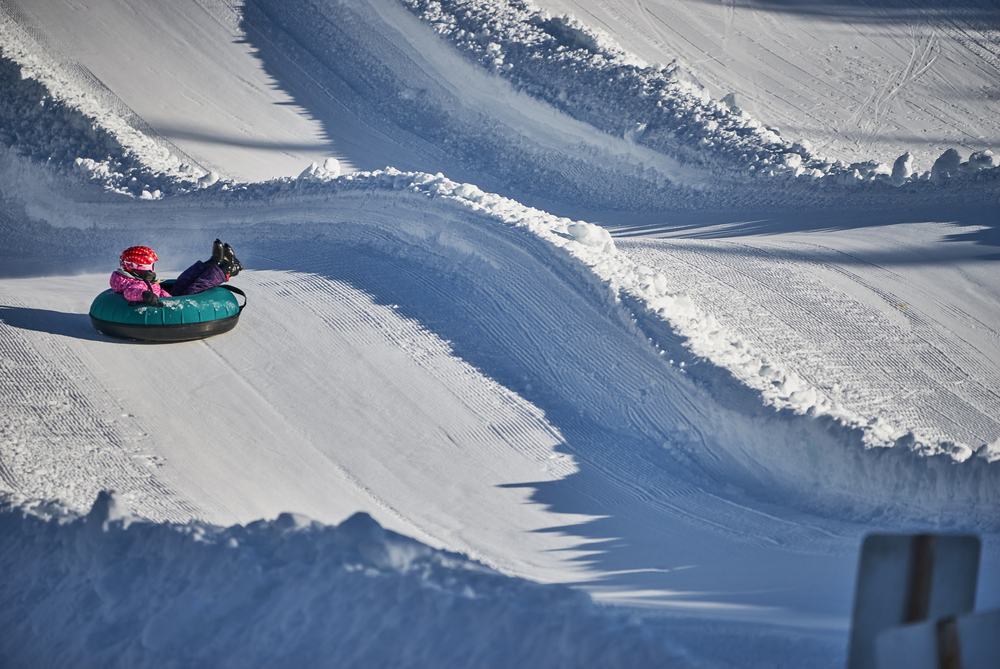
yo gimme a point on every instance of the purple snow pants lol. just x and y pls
(198, 278)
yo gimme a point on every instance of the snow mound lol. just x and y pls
(330, 169)
(50, 113)
(584, 73)
(660, 111)
(123, 592)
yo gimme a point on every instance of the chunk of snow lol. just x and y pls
(902, 169)
(990, 452)
(208, 180)
(591, 235)
(980, 160)
(315, 173)
(946, 166)
(108, 508)
(792, 160)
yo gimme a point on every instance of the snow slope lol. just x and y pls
(188, 104)
(557, 403)
(861, 81)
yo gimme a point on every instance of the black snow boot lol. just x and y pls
(218, 253)
(229, 264)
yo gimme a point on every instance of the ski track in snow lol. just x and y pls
(859, 82)
(494, 419)
(498, 424)
(63, 436)
(900, 370)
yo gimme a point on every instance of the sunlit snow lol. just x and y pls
(578, 334)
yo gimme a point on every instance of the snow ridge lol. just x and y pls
(584, 73)
(593, 246)
(51, 112)
(288, 592)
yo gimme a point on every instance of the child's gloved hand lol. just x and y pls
(150, 298)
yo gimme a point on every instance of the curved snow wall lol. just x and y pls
(584, 73)
(639, 139)
(506, 276)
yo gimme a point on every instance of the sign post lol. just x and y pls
(907, 579)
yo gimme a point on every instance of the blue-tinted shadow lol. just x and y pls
(62, 323)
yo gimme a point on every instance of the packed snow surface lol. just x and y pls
(549, 294)
(862, 81)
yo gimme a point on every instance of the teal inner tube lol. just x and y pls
(182, 318)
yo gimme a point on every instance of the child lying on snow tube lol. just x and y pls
(137, 281)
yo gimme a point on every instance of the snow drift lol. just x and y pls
(108, 590)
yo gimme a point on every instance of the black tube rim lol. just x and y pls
(170, 333)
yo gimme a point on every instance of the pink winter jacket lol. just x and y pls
(133, 288)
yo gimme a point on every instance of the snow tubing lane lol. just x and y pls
(181, 318)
